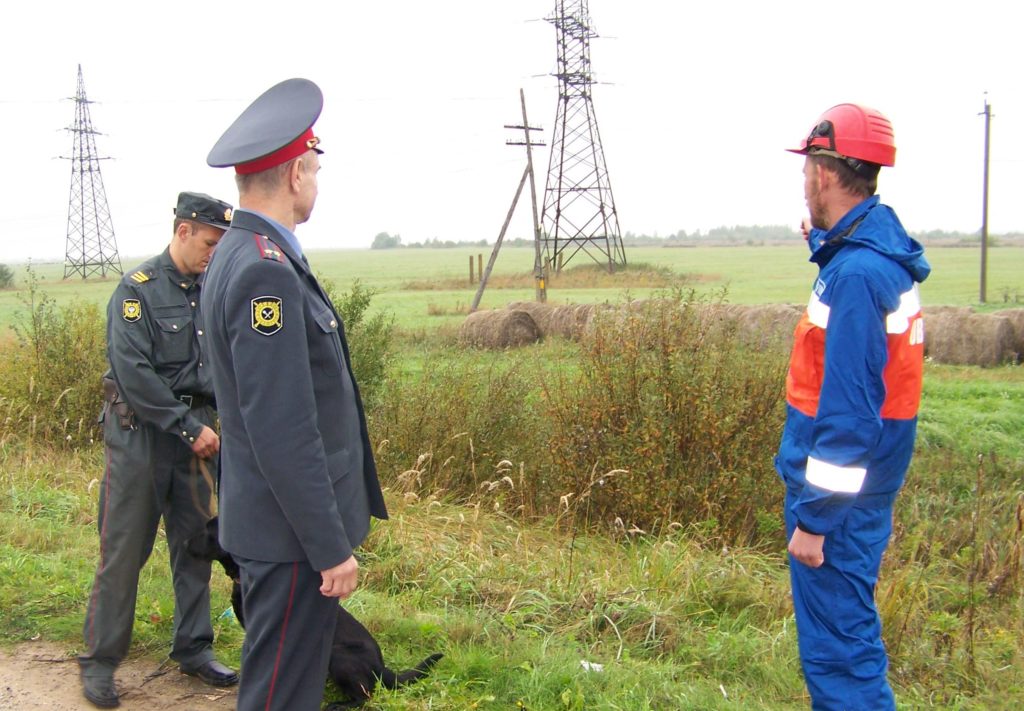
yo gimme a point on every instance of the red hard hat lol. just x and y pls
(852, 131)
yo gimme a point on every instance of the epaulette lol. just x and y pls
(141, 276)
(268, 250)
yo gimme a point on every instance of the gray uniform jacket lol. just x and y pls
(154, 328)
(298, 480)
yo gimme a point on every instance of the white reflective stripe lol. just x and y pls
(817, 312)
(847, 480)
(899, 320)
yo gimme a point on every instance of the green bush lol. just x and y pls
(6, 277)
(370, 340)
(50, 373)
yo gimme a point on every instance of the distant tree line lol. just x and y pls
(383, 240)
(739, 234)
(750, 235)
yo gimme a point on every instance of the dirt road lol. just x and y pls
(41, 676)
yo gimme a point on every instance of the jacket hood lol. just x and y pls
(875, 226)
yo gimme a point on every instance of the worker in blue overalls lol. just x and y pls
(852, 391)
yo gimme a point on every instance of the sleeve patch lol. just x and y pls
(131, 310)
(140, 277)
(266, 315)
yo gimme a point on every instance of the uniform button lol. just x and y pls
(184, 434)
(174, 326)
(334, 324)
(193, 304)
(200, 332)
(191, 439)
(200, 364)
(184, 285)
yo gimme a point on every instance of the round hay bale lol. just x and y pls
(499, 328)
(570, 321)
(720, 312)
(649, 305)
(587, 316)
(1016, 319)
(719, 321)
(540, 312)
(766, 325)
(946, 309)
(968, 338)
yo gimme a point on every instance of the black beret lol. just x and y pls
(275, 128)
(200, 207)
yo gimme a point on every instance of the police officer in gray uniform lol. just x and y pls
(158, 418)
(298, 481)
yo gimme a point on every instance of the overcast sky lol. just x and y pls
(695, 104)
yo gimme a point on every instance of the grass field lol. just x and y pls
(678, 620)
(750, 275)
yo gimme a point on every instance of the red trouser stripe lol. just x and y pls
(284, 631)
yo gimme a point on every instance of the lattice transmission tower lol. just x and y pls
(579, 209)
(91, 247)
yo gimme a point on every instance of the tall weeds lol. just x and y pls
(690, 414)
(685, 415)
(50, 373)
(447, 430)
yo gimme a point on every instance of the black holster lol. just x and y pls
(114, 403)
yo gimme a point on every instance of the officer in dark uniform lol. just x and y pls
(161, 448)
(298, 481)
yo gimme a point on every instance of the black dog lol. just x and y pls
(356, 663)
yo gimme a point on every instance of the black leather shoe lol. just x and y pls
(213, 673)
(100, 691)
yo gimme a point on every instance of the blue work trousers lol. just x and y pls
(838, 627)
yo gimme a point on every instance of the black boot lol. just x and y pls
(100, 691)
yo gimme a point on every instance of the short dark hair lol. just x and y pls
(854, 182)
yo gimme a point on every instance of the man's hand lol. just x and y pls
(341, 580)
(807, 548)
(207, 444)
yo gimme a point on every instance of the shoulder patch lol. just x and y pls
(268, 250)
(131, 310)
(141, 276)
(266, 315)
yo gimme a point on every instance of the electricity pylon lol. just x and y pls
(91, 247)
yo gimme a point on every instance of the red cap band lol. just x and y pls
(307, 141)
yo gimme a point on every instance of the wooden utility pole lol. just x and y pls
(538, 266)
(987, 113)
(539, 280)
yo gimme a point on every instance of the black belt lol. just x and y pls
(195, 400)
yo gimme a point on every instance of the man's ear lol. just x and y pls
(183, 230)
(295, 174)
(825, 176)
